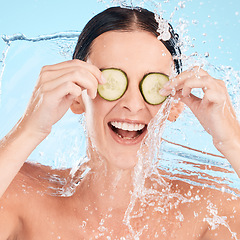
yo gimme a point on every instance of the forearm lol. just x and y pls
(59, 86)
(14, 151)
(232, 154)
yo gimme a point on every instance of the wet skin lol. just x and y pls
(131, 108)
(30, 212)
(29, 209)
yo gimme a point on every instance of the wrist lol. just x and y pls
(32, 136)
(29, 132)
(25, 135)
(231, 151)
(230, 146)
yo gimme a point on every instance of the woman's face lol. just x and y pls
(136, 53)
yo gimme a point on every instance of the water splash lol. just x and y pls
(163, 28)
(152, 194)
(61, 36)
(215, 220)
(149, 163)
(2, 62)
(144, 167)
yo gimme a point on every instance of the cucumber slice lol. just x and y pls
(115, 86)
(150, 86)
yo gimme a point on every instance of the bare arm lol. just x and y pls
(14, 150)
(214, 111)
(57, 87)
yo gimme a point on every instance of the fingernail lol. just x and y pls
(103, 80)
(163, 92)
(93, 96)
(167, 85)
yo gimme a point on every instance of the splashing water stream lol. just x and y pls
(166, 159)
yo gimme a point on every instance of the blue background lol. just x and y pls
(219, 19)
(212, 26)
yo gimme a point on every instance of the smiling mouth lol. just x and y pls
(127, 131)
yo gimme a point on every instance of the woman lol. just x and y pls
(124, 40)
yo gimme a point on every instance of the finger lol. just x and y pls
(188, 84)
(195, 72)
(191, 101)
(65, 64)
(50, 70)
(211, 96)
(65, 89)
(204, 83)
(50, 75)
(83, 79)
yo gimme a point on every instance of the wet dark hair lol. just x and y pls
(124, 19)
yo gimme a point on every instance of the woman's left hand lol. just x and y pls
(214, 111)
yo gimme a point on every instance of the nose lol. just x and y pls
(132, 100)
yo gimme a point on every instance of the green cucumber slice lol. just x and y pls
(115, 86)
(150, 87)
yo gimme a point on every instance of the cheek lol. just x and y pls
(154, 110)
(96, 111)
(100, 107)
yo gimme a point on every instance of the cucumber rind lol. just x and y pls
(116, 84)
(150, 87)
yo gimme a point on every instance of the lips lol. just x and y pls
(127, 133)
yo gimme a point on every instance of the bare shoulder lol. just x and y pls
(217, 209)
(30, 190)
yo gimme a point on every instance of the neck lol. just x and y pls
(106, 186)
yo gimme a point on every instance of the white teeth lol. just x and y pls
(128, 126)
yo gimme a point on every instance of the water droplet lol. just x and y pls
(102, 222)
(166, 36)
(41, 154)
(194, 21)
(182, 4)
(84, 223)
(195, 214)
(102, 229)
(206, 54)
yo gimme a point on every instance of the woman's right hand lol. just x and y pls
(58, 85)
